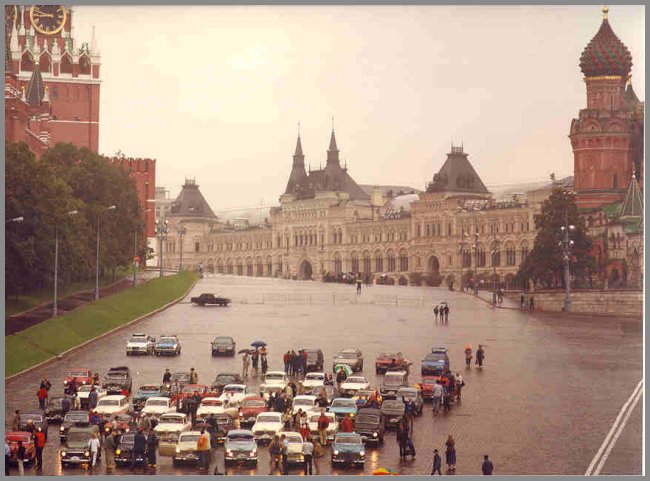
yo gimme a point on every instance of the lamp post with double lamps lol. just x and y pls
(55, 310)
(99, 215)
(162, 229)
(566, 244)
(181, 232)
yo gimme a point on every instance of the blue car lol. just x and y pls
(167, 345)
(144, 392)
(342, 406)
(348, 449)
(436, 362)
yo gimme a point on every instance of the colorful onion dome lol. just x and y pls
(606, 55)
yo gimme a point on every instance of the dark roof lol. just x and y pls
(385, 189)
(191, 203)
(631, 99)
(605, 55)
(632, 206)
(457, 175)
(35, 88)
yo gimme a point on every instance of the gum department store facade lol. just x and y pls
(327, 225)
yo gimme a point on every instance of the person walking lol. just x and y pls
(203, 448)
(21, 452)
(435, 312)
(446, 308)
(39, 443)
(459, 385)
(93, 448)
(468, 357)
(275, 451)
(323, 424)
(531, 304)
(244, 365)
(139, 448)
(450, 454)
(7, 457)
(480, 355)
(15, 424)
(284, 447)
(522, 301)
(42, 397)
(437, 463)
(110, 443)
(285, 360)
(359, 285)
(93, 398)
(438, 393)
(255, 358)
(487, 466)
(308, 454)
(265, 364)
(346, 425)
(152, 446)
(194, 376)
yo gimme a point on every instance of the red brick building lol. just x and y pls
(144, 173)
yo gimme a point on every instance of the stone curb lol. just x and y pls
(89, 341)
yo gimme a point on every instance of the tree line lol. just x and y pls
(43, 191)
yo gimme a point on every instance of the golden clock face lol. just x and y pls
(48, 19)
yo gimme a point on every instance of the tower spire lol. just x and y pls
(333, 151)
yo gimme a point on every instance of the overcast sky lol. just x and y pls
(216, 93)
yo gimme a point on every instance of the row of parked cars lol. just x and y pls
(144, 344)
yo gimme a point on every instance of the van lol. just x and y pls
(393, 380)
(314, 360)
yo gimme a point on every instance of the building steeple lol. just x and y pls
(298, 155)
(298, 172)
(333, 151)
(632, 207)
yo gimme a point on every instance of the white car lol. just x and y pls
(275, 378)
(158, 406)
(140, 343)
(211, 405)
(234, 394)
(170, 426)
(354, 384)
(84, 391)
(332, 429)
(267, 425)
(112, 405)
(305, 402)
(294, 448)
(312, 380)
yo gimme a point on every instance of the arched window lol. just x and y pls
(229, 267)
(66, 64)
(495, 255)
(480, 256)
(354, 257)
(379, 262)
(366, 262)
(391, 261)
(259, 267)
(219, 266)
(338, 263)
(510, 254)
(524, 251)
(26, 62)
(403, 261)
(240, 268)
(84, 65)
(45, 63)
(280, 265)
(249, 267)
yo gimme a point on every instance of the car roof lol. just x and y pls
(119, 368)
(349, 349)
(306, 396)
(234, 385)
(113, 397)
(369, 411)
(240, 431)
(193, 433)
(146, 386)
(174, 414)
(275, 372)
(395, 373)
(78, 369)
(158, 398)
(348, 435)
(273, 413)
(254, 398)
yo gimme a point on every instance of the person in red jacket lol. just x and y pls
(39, 442)
(42, 397)
(346, 426)
(323, 424)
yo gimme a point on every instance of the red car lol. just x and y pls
(391, 361)
(81, 376)
(426, 386)
(12, 438)
(250, 408)
(190, 390)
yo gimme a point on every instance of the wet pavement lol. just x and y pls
(544, 402)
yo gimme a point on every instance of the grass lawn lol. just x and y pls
(14, 305)
(56, 335)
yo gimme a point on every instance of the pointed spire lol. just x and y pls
(55, 47)
(15, 47)
(35, 88)
(21, 30)
(298, 152)
(333, 151)
(632, 206)
(93, 43)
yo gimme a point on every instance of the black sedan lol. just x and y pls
(124, 451)
(223, 345)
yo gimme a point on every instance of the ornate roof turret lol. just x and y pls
(333, 151)
(632, 206)
(457, 175)
(631, 99)
(35, 88)
(606, 55)
(191, 203)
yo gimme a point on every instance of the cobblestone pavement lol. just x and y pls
(544, 402)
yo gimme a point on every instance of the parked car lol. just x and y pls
(54, 410)
(84, 391)
(250, 408)
(178, 381)
(353, 384)
(348, 449)
(37, 418)
(211, 405)
(369, 423)
(145, 392)
(113, 405)
(168, 430)
(426, 387)
(75, 449)
(240, 447)
(352, 357)
(266, 426)
(391, 361)
(312, 380)
(157, 406)
(71, 419)
(436, 362)
(186, 451)
(413, 394)
(275, 378)
(124, 451)
(315, 359)
(342, 406)
(393, 380)
(363, 396)
(234, 394)
(167, 346)
(330, 392)
(224, 378)
(118, 379)
(393, 410)
(223, 345)
(140, 343)
(305, 402)
(80, 375)
(207, 298)
(190, 390)
(12, 438)
(294, 449)
(332, 429)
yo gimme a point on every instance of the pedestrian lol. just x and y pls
(245, 363)
(435, 312)
(93, 398)
(93, 449)
(308, 454)
(255, 357)
(409, 411)
(42, 397)
(346, 425)
(39, 443)
(45, 382)
(319, 452)
(437, 395)
(446, 314)
(402, 438)
(480, 355)
(110, 443)
(274, 453)
(203, 447)
(487, 466)
(459, 385)
(450, 454)
(15, 424)
(72, 387)
(531, 304)
(284, 447)
(194, 376)
(292, 363)
(65, 405)
(437, 463)
(167, 376)
(21, 452)
(468, 357)
(323, 424)
(359, 286)
(265, 364)
(7, 457)
(293, 388)
(522, 301)
(285, 360)
(76, 402)
(139, 448)
(152, 446)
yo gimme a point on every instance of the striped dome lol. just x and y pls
(606, 55)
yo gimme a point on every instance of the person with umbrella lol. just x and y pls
(255, 358)
(245, 363)
(265, 363)
(480, 355)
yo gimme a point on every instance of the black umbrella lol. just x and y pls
(258, 344)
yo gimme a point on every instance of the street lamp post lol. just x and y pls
(99, 215)
(476, 259)
(495, 250)
(566, 245)
(162, 229)
(181, 232)
(55, 310)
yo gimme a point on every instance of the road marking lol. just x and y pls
(611, 438)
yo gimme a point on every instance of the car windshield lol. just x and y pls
(407, 392)
(74, 417)
(157, 402)
(87, 388)
(108, 402)
(180, 376)
(78, 374)
(167, 340)
(23, 439)
(222, 340)
(367, 418)
(393, 380)
(356, 380)
(348, 439)
(171, 420)
(37, 418)
(394, 404)
(346, 355)
(148, 389)
(293, 438)
(192, 389)
(138, 339)
(234, 389)
(117, 375)
(303, 402)
(127, 438)
(388, 355)
(435, 357)
(189, 438)
(314, 377)
(312, 355)
(429, 382)
(78, 436)
(253, 403)
(274, 377)
(268, 419)
(212, 402)
(240, 437)
(343, 403)
(55, 402)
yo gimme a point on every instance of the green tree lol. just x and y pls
(545, 264)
